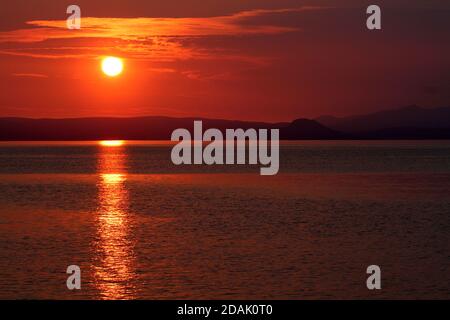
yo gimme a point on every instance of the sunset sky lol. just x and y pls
(271, 60)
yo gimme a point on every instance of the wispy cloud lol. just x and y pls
(30, 75)
(141, 28)
(156, 39)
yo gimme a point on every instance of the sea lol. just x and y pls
(140, 227)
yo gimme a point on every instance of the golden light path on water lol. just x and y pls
(115, 250)
(112, 143)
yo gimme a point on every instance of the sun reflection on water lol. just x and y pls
(111, 143)
(115, 251)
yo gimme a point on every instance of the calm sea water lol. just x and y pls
(141, 228)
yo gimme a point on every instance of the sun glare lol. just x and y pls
(112, 66)
(111, 143)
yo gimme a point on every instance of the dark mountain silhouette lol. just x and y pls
(308, 129)
(410, 118)
(405, 123)
(143, 128)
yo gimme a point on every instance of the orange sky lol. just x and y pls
(261, 60)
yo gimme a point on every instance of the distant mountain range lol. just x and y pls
(405, 123)
(408, 117)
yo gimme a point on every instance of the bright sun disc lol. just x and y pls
(112, 66)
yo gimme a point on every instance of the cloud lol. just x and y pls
(162, 70)
(30, 75)
(155, 39)
(141, 28)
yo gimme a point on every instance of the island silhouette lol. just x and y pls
(410, 122)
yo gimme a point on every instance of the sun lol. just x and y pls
(112, 66)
